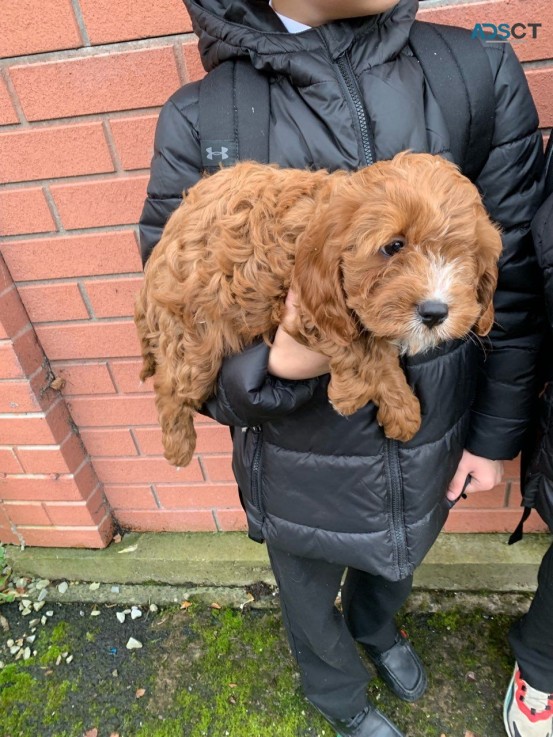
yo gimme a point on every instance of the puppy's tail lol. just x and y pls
(179, 435)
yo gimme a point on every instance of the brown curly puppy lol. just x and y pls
(392, 259)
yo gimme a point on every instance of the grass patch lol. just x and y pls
(211, 673)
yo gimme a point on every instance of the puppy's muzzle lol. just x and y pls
(432, 312)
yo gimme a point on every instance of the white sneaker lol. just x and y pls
(527, 712)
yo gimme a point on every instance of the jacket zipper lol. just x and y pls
(396, 504)
(344, 65)
(256, 468)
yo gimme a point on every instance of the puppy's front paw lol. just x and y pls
(344, 403)
(400, 423)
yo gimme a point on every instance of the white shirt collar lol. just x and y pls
(292, 26)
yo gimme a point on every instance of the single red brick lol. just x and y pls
(9, 462)
(511, 469)
(7, 111)
(138, 496)
(113, 297)
(192, 62)
(8, 537)
(71, 256)
(231, 520)
(29, 513)
(149, 440)
(60, 420)
(41, 428)
(127, 377)
(50, 302)
(467, 15)
(69, 537)
(213, 439)
(57, 151)
(139, 470)
(197, 496)
(28, 428)
(96, 84)
(166, 521)
(541, 85)
(18, 396)
(28, 27)
(74, 514)
(134, 140)
(11, 368)
(218, 467)
(84, 378)
(28, 350)
(23, 211)
(64, 458)
(91, 204)
(70, 487)
(108, 442)
(107, 22)
(13, 316)
(89, 340)
(498, 520)
(492, 500)
(95, 412)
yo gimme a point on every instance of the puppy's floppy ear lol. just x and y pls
(489, 250)
(318, 278)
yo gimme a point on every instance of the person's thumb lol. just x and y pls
(458, 482)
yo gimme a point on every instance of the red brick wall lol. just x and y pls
(81, 85)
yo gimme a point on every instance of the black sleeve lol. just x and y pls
(247, 395)
(512, 185)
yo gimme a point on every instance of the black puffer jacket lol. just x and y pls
(313, 482)
(538, 491)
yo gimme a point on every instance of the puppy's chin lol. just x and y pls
(418, 338)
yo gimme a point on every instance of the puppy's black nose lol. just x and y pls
(432, 312)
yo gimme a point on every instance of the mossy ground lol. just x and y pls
(223, 673)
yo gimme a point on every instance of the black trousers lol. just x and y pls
(322, 640)
(531, 637)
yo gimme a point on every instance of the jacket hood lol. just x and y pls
(230, 29)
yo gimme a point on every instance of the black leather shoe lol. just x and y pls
(401, 668)
(368, 723)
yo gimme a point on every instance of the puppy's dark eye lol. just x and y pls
(392, 248)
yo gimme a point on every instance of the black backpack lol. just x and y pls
(235, 104)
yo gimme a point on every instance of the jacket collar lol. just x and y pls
(230, 29)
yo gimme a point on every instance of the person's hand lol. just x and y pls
(289, 359)
(290, 315)
(484, 473)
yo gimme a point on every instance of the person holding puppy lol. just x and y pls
(329, 493)
(528, 706)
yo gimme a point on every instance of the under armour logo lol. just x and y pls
(223, 153)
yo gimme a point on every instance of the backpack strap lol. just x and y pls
(458, 72)
(234, 115)
(549, 168)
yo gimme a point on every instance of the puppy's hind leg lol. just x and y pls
(191, 380)
(146, 336)
(179, 438)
